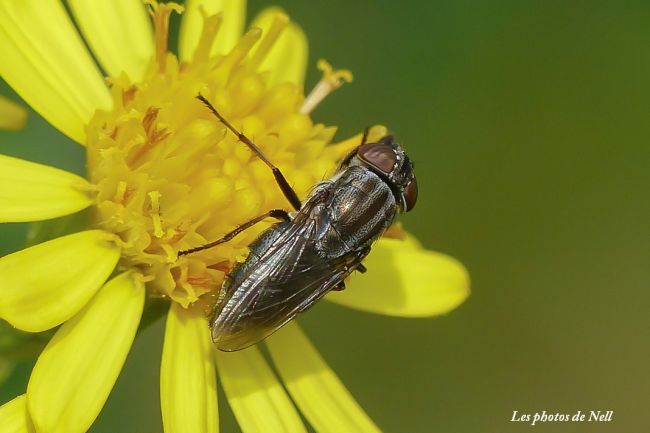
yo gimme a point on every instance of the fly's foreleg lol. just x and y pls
(279, 214)
(288, 192)
(364, 137)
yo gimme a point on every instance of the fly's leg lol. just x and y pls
(364, 137)
(359, 267)
(288, 192)
(346, 161)
(279, 214)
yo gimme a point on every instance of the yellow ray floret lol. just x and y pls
(406, 280)
(14, 416)
(188, 385)
(315, 388)
(34, 192)
(256, 397)
(119, 33)
(45, 61)
(45, 285)
(77, 369)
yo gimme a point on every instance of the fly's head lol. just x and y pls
(387, 159)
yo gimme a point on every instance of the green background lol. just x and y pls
(528, 122)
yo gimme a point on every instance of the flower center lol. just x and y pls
(171, 177)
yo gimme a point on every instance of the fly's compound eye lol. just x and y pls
(411, 194)
(379, 155)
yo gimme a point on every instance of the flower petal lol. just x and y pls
(315, 388)
(232, 25)
(405, 280)
(12, 116)
(119, 33)
(188, 383)
(46, 63)
(286, 60)
(34, 192)
(256, 397)
(77, 369)
(14, 417)
(44, 285)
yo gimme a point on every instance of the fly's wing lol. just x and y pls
(288, 278)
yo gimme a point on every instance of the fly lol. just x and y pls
(311, 251)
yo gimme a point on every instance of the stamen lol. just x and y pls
(211, 26)
(280, 22)
(154, 135)
(149, 119)
(161, 14)
(332, 80)
(170, 252)
(183, 281)
(238, 53)
(143, 279)
(120, 192)
(110, 237)
(154, 197)
(128, 95)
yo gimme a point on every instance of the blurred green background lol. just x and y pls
(528, 122)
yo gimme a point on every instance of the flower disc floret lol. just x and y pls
(170, 176)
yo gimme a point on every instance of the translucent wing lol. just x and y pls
(286, 277)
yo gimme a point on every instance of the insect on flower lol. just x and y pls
(163, 176)
(312, 250)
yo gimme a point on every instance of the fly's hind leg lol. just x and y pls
(279, 214)
(355, 267)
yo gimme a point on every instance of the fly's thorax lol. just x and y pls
(358, 210)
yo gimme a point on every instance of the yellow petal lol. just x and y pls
(231, 28)
(188, 383)
(12, 116)
(315, 388)
(286, 60)
(14, 417)
(46, 63)
(44, 285)
(119, 33)
(77, 369)
(257, 399)
(34, 192)
(405, 280)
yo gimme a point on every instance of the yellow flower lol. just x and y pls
(164, 176)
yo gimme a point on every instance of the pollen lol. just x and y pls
(171, 177)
